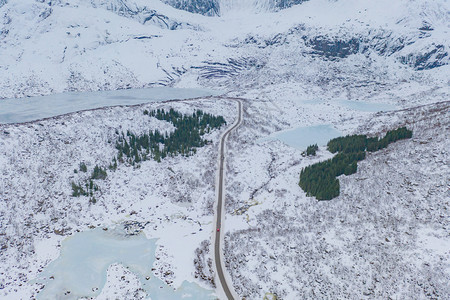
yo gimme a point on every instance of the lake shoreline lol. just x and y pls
(198, 94)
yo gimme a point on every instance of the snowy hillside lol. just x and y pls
(385, 236)
(37, 175)
(50, 47)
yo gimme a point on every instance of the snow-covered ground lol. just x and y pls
(172, 199)
(53, 46)
(386, 236)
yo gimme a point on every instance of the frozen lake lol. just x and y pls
(302, 137)
(85, 257)
(34, 108)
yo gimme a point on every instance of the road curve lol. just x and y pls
(220, 206)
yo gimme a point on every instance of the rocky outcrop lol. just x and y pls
(144, 14)
(213, 7)
(203, 7)
(281, 4)
(431, 58)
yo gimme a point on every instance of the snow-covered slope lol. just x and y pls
(385, 236)
(37, 209)
(53, 46)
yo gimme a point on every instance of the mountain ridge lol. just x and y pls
(87, 45)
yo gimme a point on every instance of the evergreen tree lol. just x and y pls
(311, 150)
(83, 167)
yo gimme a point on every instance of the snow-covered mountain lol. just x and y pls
(56, 46)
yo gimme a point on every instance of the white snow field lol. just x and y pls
(346, 66)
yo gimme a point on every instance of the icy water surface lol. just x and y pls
(35, 108)
(302, 137)
(85, 257)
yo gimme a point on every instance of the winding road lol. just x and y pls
(220, 208)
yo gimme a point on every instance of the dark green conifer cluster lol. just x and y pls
(355, 143)
(319, 180)
(187, 136)
(88, 188)
(133, 148)
(83, 167)
(311, 150)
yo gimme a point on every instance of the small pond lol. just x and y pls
(34, 108)
(84, 260)
(302, 137)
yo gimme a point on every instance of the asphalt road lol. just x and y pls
(219, 221)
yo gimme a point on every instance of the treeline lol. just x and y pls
(355, 143)
(319, 180)
(198, 120)
(187, 136)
